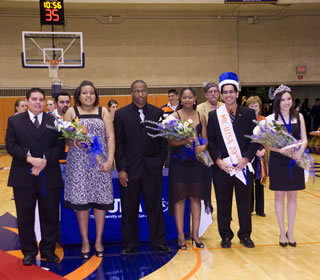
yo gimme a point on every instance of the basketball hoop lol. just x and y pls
(53, 66)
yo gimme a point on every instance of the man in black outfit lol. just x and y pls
(35, 176)
(139, 160)
(219, 145)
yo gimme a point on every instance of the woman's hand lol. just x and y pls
(78, 143)
(106, 166)
(189, 141)
(200, 149)
(297, 154)
(260, 153)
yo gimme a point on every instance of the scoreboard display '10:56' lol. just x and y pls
(52, 12)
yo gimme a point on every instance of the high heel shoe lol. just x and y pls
(198, 245)
(283, 244)
(292, 244)
(182, 246)
(100, 254)
(85, 255)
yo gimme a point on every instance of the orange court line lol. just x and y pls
(85, 270)
(196, 267)
(317, 196)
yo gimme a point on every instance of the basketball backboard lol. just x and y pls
(40, 47)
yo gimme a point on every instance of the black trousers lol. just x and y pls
(25, 200)
(224, 185)
(150, 186)
(258, 196)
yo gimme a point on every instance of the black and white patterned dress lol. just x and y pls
(87, 187)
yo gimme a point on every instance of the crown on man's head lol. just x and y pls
(281, 88)
(227, 78)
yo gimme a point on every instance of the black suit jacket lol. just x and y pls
(135, 150)
(21, 137)
(243, 125)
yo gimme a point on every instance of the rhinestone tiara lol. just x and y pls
(282, 88)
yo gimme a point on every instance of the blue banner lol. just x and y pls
(112, 230)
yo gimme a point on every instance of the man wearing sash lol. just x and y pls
(232, 153)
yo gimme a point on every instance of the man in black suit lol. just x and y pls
(139, 160)
(228, 168)
(35, 176)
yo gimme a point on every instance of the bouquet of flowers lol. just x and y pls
(171, 128)
(272, 134)
(72, 130)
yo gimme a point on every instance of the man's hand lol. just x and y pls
(241, 164)
(35, 171)
(223, 166)
(39, 163)
(123, 178)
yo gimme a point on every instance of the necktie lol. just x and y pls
(141, 114)
(36, 122)
(232, 116)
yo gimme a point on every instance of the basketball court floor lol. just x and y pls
(267, 261)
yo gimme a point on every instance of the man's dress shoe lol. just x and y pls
(28, 260)
(247, 242)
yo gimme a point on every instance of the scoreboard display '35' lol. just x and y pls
(52, 12)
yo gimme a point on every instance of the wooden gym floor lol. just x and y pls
(267, 261)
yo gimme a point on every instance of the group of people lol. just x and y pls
(35, 173)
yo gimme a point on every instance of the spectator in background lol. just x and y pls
(62, 103)
(315, 113)
(260, 164)
(19, 107)
(211, 92)
(297, 105)
(306, 112)
(50, 106)
(112, 107)
(173, 102)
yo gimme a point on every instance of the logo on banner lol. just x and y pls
(115, 213)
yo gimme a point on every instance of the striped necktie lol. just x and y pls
(232, 116)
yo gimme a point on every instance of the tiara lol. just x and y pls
(281, 88)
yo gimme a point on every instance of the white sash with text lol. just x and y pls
(230, 140)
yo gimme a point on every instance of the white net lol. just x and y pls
(53, 66)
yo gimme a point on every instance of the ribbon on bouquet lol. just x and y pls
(293, 163)
(188, 151)
(95, 149)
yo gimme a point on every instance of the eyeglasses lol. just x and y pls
(230, 92)
(214, 91)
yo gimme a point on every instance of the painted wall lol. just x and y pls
(174, 52)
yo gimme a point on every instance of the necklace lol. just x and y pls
(188, 115)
